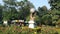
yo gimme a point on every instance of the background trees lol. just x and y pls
(1, 9)
(43, 15)
(14, 9)
(55, 10)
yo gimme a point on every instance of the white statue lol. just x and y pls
(31, 22)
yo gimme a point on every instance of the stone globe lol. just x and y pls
(32, 10)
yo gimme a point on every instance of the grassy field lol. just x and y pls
(13, 29)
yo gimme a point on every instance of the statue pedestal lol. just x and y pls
(31, 24)
(5, 22)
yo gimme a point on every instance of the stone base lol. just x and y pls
(31, 25)
(5, 22)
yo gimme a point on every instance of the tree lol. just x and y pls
(25, 8)
(55, 5)
(55, 10)
(1, 9)
(19, 10)
(47, 19)
(42, 13)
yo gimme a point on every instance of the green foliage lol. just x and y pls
(1, 9)
(21, 10)
(55, 10)
(55, 4)
(10, 2)
(44, 16)
(11, 9)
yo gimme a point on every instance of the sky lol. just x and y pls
(37, 3)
